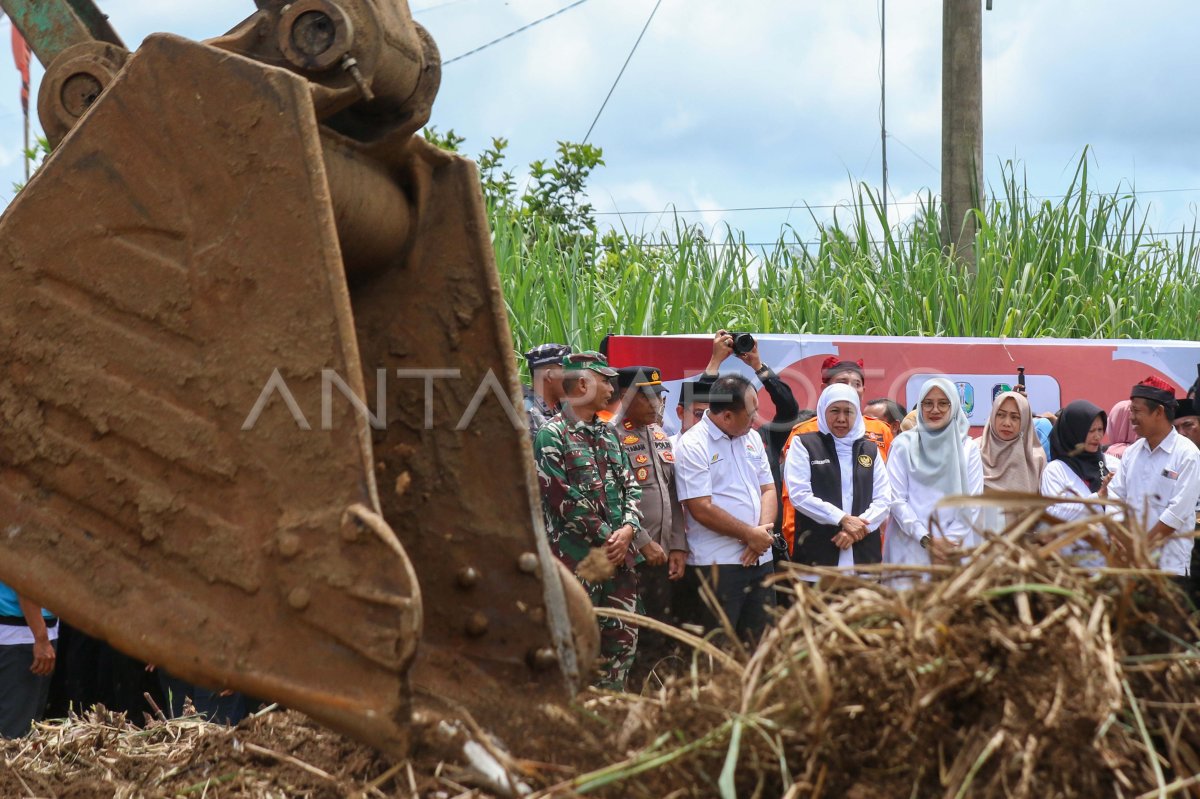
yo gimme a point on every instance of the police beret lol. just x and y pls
(640, 376)
(694, 391)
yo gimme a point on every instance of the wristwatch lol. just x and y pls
(763, 372)
(925, 539)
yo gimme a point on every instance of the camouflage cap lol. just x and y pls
(590, 360)
(547, 355)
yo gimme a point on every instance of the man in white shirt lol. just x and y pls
(724, 482)
(1187, 424)
(1159, 477)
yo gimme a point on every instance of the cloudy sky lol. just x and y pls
(776, 102)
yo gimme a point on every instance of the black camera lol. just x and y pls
(742, 343)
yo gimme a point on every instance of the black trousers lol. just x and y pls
(22, 693)
(90, 672)
(658, 598)
(742, 596)
(208, 703)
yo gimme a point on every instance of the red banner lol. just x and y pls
(1056, 370)
(21, 55)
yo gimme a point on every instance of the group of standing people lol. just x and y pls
(666, 513)
(1153, 466)
(727, 499)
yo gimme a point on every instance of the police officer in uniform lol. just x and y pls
(636, 409)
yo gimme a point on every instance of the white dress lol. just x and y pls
(1058, 480)
(914, 508)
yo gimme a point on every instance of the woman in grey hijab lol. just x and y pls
(934, 460)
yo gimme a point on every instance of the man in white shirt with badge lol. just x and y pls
(1159, 478)
(724, 482)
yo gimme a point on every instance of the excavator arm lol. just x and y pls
(258, 408)
(52, 27)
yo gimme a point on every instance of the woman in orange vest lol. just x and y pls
(833, 371)
(839, 487)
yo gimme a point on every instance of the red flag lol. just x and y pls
(21, 55)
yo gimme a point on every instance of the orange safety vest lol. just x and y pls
(877, 431)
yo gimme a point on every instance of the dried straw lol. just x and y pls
(1014, 674)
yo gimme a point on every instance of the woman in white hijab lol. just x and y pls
(839, 486)
(936, 459)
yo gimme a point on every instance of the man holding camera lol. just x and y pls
(774, 433)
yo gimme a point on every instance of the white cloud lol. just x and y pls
(774, 102)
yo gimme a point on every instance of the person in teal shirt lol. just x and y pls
(28, 650)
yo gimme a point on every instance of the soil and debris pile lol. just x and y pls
(1016, 676)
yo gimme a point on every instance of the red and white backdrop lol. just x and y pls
(1056, 370)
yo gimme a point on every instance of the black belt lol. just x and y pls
(19, 621)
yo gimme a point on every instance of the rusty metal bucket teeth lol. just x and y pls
(180, 471)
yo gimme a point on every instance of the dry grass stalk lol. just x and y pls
(1015, 675)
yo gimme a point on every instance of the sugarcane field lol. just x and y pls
(482, 399)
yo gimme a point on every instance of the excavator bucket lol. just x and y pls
(257, 392)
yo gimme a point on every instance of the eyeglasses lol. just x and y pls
(941, 405)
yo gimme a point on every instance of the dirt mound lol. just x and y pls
(1016, 676)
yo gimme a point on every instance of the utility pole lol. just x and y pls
(883, 105)
(962, 125)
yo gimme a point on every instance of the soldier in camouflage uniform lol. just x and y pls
(590, 496)
(545, 391)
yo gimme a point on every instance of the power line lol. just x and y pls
(622, 72)
(844, 204)
(914, 152)
(511, 34)
(438, 6)
(813, 242)
(733, 210)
